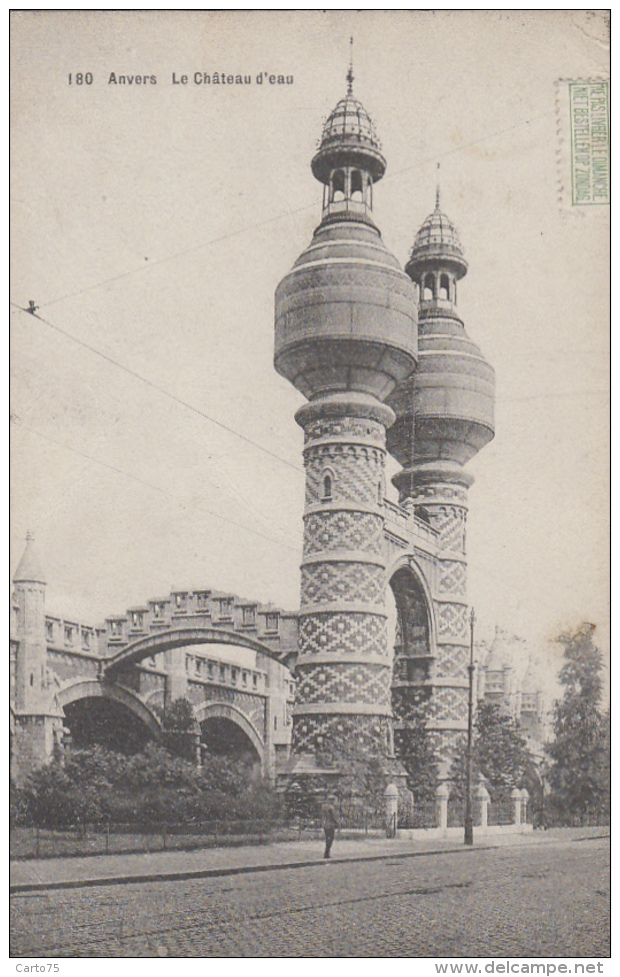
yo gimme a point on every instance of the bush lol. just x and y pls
(147, 789)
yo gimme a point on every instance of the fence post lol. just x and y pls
(515, 795)
(483, 797)
(37, 841)
(163, 835)
(442, 794)
(391, 810)
(107, 836)
(525, 796)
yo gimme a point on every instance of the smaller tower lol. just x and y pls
(444, 416)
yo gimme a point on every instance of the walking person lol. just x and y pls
(330, 823)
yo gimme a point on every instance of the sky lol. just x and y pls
(153, 444)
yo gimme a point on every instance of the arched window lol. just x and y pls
(327, 488)
(444, 287)
(427, 289)
(380, 491)
(338, 185)
(357, 186)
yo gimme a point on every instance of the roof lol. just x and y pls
(29, 569)
(438, 240)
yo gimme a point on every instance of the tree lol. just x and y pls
(415, 751)
(579, 777)
(360, 779)
(500, 754)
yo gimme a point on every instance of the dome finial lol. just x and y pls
(437, 189)
(350, 75)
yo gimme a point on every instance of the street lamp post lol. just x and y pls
(469, 821)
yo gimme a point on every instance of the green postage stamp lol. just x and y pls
(584, 150)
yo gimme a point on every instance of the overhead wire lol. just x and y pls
(142, 481)
(156, 386)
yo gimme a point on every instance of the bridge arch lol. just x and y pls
(178, 637)
(83, 689)
(230, 713)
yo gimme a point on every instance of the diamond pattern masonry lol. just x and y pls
(359, 582)
(369, 684)
(335, 530)
(343, 633)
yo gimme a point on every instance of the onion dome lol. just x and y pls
(349, 137)
(29, 569)
(437, 242)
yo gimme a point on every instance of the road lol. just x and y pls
(544, 900)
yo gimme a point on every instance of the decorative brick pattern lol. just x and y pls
(449, 705)
(342, 632)
(451, 621)
(323, 582)
(453, 578)
(357, 473)
(441, 492)
(344, 683)
(343, 427)
(372, 733)
(325, 531)
(452, 661)
(405, 703)
(449, 521)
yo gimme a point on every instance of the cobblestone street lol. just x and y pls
(537, 900)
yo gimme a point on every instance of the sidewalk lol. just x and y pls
(212, 862)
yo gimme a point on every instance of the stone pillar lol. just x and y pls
(515, 795)
(443, 795)
(525, 796)
(343, 669)
(391, 810)
(176, 675)
(484, 798)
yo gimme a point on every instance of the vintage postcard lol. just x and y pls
(310, 483)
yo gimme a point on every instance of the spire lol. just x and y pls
(29, 569)
(350, 75)
(437, 189)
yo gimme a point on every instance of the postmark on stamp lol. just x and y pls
(584, 142)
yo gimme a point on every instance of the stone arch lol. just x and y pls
(195, 633)
(224, 710)
(93, 689)
(408, 566)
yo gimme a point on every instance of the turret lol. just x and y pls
(29, 595)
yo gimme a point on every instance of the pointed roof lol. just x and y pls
(438, 241)
(349, 138)
(29, 569)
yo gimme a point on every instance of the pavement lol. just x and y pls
(513, 896)
(123, 869)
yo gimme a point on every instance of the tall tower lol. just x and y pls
(345, 335)
(444, 416)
